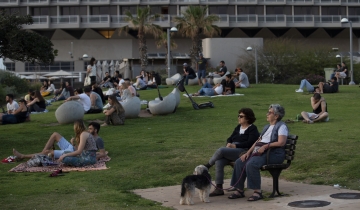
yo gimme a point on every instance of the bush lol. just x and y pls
(8, 79)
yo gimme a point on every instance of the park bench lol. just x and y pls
(275, 169)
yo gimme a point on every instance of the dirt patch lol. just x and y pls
(97, 120)
(144, 113)
(52, 124)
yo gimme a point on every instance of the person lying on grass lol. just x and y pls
(208, 90)
(80, 151)
(319, 112)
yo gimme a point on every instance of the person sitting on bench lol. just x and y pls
(319, 113)
(274, 136)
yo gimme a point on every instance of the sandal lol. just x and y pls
(237, 194)
(57, 173)
(256, 198)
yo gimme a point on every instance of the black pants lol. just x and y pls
(93, 111)
(93, 78)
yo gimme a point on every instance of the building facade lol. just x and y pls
(78, 27)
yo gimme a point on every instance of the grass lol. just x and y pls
(161, 150)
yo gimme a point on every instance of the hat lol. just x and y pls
(200, 54)
(185, 64)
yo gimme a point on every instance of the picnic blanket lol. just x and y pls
(235, 94)
(99, 165)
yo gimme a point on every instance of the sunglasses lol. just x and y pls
(241, 116)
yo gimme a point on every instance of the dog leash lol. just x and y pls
(236, 181)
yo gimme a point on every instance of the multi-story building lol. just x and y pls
(92, 26)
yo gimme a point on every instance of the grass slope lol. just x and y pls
(161, 150)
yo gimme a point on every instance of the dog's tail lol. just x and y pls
(183, 189)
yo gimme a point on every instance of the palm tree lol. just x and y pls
(162, 41)
(142, 22)
(193, 23)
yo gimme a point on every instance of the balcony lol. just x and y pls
(125, 2)
(185, 2)
(165, 21)
(149, 2)
(9, 2)
(243, 2)
(34, 2)
(95, 2)
(64, 2)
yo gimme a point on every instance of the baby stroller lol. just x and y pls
(181, 87)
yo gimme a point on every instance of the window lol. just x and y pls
(10, 66)
(333, 10)
(278, 10)
(103, 10)
(354, 10)
(306, 10)
(250, 10)
(43, 11)
(222, 10)
(132, 9)
(81, 10)
(56, 66)
(14, 10)
(156, 10)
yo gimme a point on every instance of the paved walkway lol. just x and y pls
(170, 197)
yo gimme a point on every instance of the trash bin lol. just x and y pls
(328, 72)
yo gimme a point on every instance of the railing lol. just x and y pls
(300, 1)
(184, 1)
(154, 1)
(34, 1)
(242, 18)
(271, 18)
(95, 1)
(273, 1)
(118, 19)
(124, 1)
(300, 18)
(64, 19)
(242, 1)
(95, 19)
(9, 1)
(65, 1)
(40, 19)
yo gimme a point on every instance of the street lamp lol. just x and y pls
(256, 66)
(345, 20)
(339, 56)
(173, 29)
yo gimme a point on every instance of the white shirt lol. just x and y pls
(93, 70)
(283, 131)
(121, 81)
(85, 101)
(12, 107)
(242, 130)
(219, 89)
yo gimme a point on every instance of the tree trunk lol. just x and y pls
(194, 51)
(142, 50)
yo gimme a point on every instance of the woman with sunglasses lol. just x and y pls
(241, 139)
(248, 166)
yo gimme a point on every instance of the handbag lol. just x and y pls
(87, 81)
(258, 145)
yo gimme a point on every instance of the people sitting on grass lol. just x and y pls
(154, 80)
(242, 138)
(274, 136)
(319, 112)
(50, 90)
(329, 87)
(11, 105)
(130, 87)
(44, 87)
(208, 90)
(107, 81)
(189, 73)
(38, 103)
(95, 100)
(19, 115)
(82, 98)
(28, 95)
(65, 93)
(70, 88)
(82, 150)
(229, 85)
(141, 80)
(243, 81)
(115, 114)
(95, 88)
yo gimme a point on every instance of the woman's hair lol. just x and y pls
(317, 96)
(116, 105)
(79, 127)
(51, 82)
(63, 86)
(92, 61)
(249, 115)
(45, 81)
(278, 110)
(38, 95)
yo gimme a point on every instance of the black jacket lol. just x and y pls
(245, 140)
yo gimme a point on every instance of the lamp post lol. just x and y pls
(339, 56)
(256, 66)
(173, 29)
(345, 20)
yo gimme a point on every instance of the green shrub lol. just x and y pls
(9, 79)
(2, 95)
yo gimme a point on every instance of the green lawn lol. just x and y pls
(161, 150)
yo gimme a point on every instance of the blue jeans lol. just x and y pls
(207, 90)
(304, 83)
(187, 77)
(201, 74)
(252, 170)
(332, 75)
(9, 119)
(222, 157)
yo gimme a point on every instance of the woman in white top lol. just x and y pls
(248, 166)
(91, 70)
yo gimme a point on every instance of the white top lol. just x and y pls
(85, 101)
(242, 131)
(93, 70)
(121, 81)
(51, 88)
(13, 106)
(132, 90)
(219, 89)
(283, 131)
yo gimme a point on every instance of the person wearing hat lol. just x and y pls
(201, 67)
(18, 116)
(189, 73)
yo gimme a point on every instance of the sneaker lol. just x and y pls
(216, 192)
(10, 159)
(299, 91)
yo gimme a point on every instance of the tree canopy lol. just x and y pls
(22, 45)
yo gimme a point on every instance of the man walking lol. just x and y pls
(201, 68)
